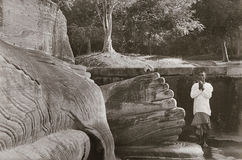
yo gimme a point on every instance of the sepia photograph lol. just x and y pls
(120, 79)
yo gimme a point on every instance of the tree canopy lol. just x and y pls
(152, 26)
(64, 4)
(155, 21)
(150, 21)
(222, 20)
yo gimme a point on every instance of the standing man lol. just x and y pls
(201, 92)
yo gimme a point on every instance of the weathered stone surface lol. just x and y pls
(139, 89)
(36, 25)
(142, 111)
(130, 109)
(64, 145)
(41, 95)
(148, 133)
(234, 71)
(167, 151)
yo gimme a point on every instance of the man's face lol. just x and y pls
(202, 76)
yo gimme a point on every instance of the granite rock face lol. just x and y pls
(41, 95)
(64, 145)
(36, 25)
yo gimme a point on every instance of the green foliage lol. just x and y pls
(222, 20)
(80, 36)
(176, 27)
(64, 4)
(84, 26)
(164, 15)
(221, 17)
(82, 13)
(150, 24)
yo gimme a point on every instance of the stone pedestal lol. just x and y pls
(165, 151)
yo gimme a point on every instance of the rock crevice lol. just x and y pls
(20, 69)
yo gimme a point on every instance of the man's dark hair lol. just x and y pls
(198, 71)
(196, 74)
(202, 72)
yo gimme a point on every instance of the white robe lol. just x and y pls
(201, 98)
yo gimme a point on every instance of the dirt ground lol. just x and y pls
(117, 60)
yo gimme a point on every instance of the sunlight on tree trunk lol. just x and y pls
(107, 44)
(105, 11)
(225, 52)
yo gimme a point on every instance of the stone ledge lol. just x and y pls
(234, 71)
(189, 71)
(169, 150)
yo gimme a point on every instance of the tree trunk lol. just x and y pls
(105, 11)
(89, 46)
(225, 52)
(107, 45)
(238, 43)
(238, 47)
(150, 44)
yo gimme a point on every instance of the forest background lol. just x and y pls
(208, 29)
